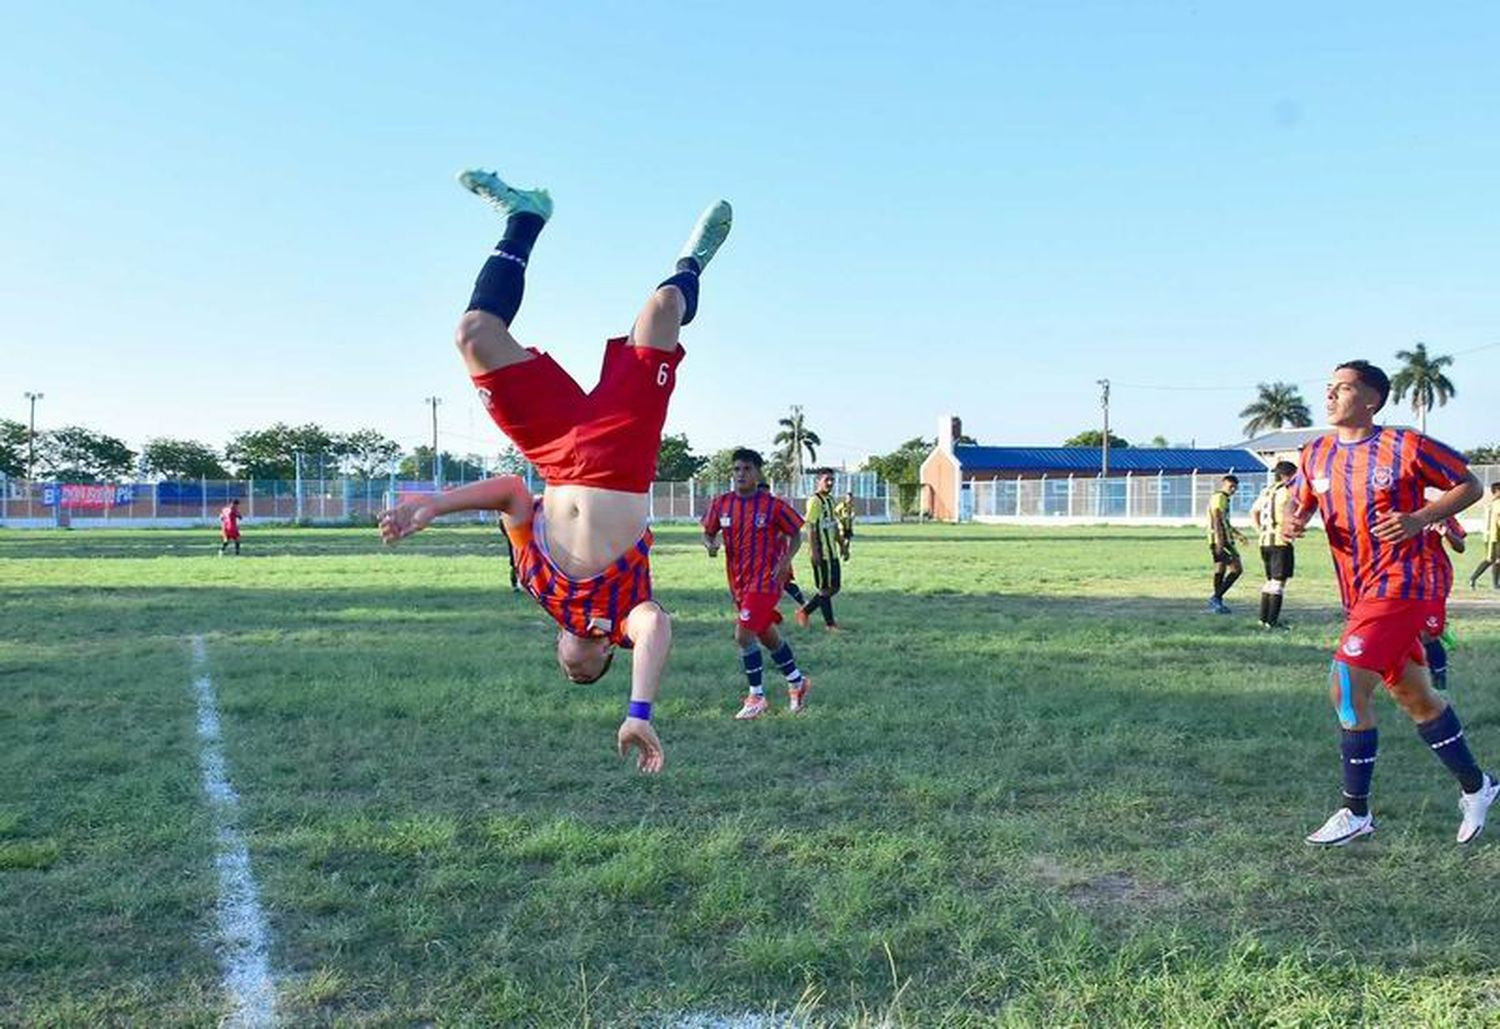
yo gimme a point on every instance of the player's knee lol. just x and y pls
(651, 620)
(471, 333)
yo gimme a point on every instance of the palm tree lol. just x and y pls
(793, 438)
(1422, 376)
(1278, 405)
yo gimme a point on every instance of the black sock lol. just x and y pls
(1218, 585)
(1265, 608)
(1358, 747)
(1445, 736)
(828, 611)
(1275, 618)
(502, 280)
(814, 604)
(795, 592)
(686, 281)
(1229, 580)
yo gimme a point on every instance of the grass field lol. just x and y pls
(1035, 786)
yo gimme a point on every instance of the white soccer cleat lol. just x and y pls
(709, 234)
(508, 200)
(1474, 807)
(1344, 826)
(755, 705)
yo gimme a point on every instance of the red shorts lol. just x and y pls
(1383, 635)
(757, 611)
(1436, 619)
(230, 534)
(609, 437)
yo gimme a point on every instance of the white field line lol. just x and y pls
(243, 940)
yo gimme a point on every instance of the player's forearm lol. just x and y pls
(793, 544)
(1452, 502)
(651, 641)
(506, 493)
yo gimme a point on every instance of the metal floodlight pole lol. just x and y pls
(1104, 447)
(433, 402)
(31, 435)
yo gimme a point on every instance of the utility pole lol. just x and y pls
(797, 444)
(1104, 448)
(433, 402)
(31, 436)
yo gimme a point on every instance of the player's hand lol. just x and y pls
(783, 571)
(637, 733)
(712, 546)
(403, 520)
(1295, 526)
(1398, 526)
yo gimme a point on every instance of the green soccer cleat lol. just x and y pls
(709, 234)
(508, 200)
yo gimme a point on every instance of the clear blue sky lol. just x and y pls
(219, 216)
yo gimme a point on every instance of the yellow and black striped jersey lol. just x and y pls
(1272, 506)
(823, 525)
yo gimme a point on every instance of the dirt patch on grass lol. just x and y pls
(1105, 890)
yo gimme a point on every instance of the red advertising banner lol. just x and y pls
(80, 495)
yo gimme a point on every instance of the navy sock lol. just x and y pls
(686, 281)
(1445, 736)
(1437, 663)
(782, 655)
(754, 665)
(502, 280)
(1358, 747)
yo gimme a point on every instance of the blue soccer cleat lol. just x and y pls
(508, 200)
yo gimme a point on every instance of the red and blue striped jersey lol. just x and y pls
(755, 530)
(596, 606)
(1357, 484)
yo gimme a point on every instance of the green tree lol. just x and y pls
(418, 466)
(76, 454)
(1160, 442)
(271, 453)
(675, 461)
(1277, 405)
(1484, 455)
(717, 468)
(904, 464)
(13, 438)
(181, 459)
(792, 440)
(1422, 377)
(367, 453)
(1095, 438)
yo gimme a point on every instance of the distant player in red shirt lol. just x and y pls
(582, 549)
(1435, 627)
(760, 533)
(1368, 485)
(229, 527)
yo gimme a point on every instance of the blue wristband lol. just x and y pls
(639, 709)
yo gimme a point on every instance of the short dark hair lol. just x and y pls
(1372, 376)
(609, 659)
(825, 470)
(1495, 487)
(749, 456)
(1231, 478)
(763, 485)
(1285, 469)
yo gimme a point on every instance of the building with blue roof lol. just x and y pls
(952, 465)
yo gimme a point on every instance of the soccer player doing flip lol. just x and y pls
(1367, 483)
(583, 548)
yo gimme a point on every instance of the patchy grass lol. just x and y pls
(1035, 786)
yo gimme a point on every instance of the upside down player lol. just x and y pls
(583, 548)
(761, 533)
(1368, 484)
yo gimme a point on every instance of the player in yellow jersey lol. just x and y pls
(823, 548)
(1221, 544)
(1491, 542)
(1269, 517)
(843, 514)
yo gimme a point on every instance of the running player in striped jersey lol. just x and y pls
(1491, 542)
(1435, 628)
(582, 549)
(1276, 551)
(823, 549)
(760, 533)
(1368, 485)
